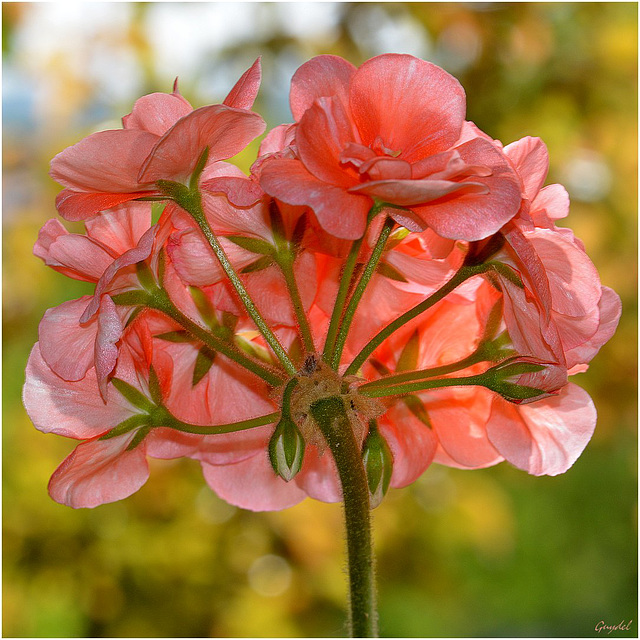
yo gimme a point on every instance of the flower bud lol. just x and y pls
(286, 448)
(378, 464)
(524, 379)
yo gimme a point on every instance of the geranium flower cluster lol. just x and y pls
(386, 262)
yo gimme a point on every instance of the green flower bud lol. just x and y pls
(378, 464)
(286, 449)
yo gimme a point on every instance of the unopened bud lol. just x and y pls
(286, 449)
(524, 379)
(378, 464)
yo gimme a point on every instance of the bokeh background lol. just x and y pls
(482, 553)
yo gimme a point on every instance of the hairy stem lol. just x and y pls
(331, 417)
(464, 273)
(359, 291)
(422, 385)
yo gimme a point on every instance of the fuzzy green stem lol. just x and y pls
(359, 291)
(191, 202)
(423, 385)
(285, 260)
(464, 273)
(331, 417)
(160, 300)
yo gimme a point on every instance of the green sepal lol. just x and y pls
(154, 386)
(396, 238)
(408, 360)
(138, 438)
(134, 314)
(135, 397)
(145, 276)
(174, 190)
(386, 270)
(156, 211)
(298, 230)
(181, 335)
(378, 464)
(230, 321)
(134, 298)
(507, 272)
(204, 306)
(254, 245)
(133, 422)
(296, 351)
(253, 349)
(198, 169)
(286, 449)
(204, 361)
(417, 408)
(258, 265)
(381, 368)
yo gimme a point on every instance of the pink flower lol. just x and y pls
(356, 142)
(563, 313)
(163, 138)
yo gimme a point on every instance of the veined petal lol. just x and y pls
(80, 205)
(474, 216)
(121, 228)
(531, 161)
(244, 92)
(224, 130)
(411, 192)
(68, 408)
(427, 119)
(252, 484)
(157, 112)
(99, 471)
(107, 161)
(340, 213)
(110, 330)
(546, 437)
(322, 76)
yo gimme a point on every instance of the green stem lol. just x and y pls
(386, 381)
(285, 261)
(193, 205)
(338, 307)
(160, 300)
(461, 275)
(359, 291)
(331, 417)
(227, 428)
(423, 385)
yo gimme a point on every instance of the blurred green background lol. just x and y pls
(482, 553)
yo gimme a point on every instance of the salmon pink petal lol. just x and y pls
(139, 253)
(240, 192)
(277, 140)
(65, 344)
(99, 471)
(75, 255)
(226, 131)
(427, 119)
(157, 113)
(459, 417)
(107, 161)
(546, 437)
(551, 203)
(323, 132)
(322, 76)
(71, 409)
(339, 213)
(318, 477)
(244, 92)
(80, 205)
(573, 280)
(412, 443)
(227, 219)
(109, 332)
(609, 308)
(411, 192)
(475, 216)
(252, 484)
(531, 161)
(121, 228)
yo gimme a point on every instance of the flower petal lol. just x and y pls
(99, 471)
(244, 92)
(428, 119)
(157, 113)
(252, 484)
(322, 76)
(546, 437)
(531, 161)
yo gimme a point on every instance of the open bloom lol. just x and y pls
(163, 139)
(389, 132)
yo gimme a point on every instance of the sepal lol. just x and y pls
(286, 449)
(378, 464)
